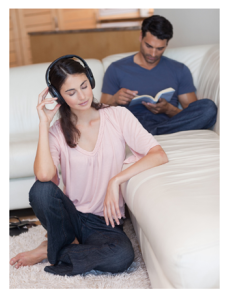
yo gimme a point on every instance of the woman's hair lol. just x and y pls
(157, 26)
(57, 76)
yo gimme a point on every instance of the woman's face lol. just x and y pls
(77, 92)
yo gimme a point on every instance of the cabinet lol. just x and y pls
(23, 21)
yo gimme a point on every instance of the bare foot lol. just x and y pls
(75, 241)
(34, 256)
(30, 258)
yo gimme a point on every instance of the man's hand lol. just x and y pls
(122, 97)
(162, 106)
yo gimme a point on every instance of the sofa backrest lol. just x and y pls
(26, 83)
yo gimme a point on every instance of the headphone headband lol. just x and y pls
(53, 91)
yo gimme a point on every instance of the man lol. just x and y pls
(148, 72)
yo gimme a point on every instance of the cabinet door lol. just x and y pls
(23, 21)
(76, 18)
(33, 20)
(14, 35)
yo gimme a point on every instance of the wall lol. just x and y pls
(192, 26)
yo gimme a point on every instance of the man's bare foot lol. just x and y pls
(30, 258)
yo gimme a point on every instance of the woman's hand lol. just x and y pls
(46, 115)
(111, 203)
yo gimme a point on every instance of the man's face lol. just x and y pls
(152, 48)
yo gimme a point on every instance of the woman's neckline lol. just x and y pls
(97, 144)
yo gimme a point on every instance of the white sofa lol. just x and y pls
(174, 207)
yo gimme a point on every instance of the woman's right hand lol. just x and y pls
(46, 115)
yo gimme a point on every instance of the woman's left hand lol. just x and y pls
(111, 203)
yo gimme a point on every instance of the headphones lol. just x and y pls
(53, 91)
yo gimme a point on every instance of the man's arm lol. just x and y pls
(186, 99)
(108, 99)
(112, 94)
(170, 110)
(122, 97)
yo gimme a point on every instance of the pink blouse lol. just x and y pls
(86, 174)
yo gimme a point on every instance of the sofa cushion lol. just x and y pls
(23, 149)
(176, 205)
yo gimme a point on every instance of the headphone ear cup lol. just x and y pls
(92, 81)
(54, 93)
(90, 77)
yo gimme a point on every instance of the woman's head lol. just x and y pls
(70, 79)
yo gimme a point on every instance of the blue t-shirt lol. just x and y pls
(125, 73)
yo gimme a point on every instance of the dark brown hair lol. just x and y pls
(68, 119)
(157, 26)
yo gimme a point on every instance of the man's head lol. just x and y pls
(155, 34)
(157, 26)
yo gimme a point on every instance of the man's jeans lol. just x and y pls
(101, 247)
(200, 114)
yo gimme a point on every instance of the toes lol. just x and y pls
(15, 259)
(17, 265)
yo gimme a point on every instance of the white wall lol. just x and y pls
(192, 26)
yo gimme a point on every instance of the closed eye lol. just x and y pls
(148, 46)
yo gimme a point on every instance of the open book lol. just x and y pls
(166, 94)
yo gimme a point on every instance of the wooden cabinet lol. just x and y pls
(91, 43)
(15, 45)
(23, 21)
(76, 18)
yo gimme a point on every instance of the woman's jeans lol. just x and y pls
(101, 247)
(200, 114)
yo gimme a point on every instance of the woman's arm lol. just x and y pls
(44, 168)
(155, 157)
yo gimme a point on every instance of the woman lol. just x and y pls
(85, 222)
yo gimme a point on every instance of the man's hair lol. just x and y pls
(157, 26)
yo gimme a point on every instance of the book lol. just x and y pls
(166, 94)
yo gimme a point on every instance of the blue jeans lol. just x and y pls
(200, 114)
(101, 247)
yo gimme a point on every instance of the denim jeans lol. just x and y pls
(101, 247)
(200, 114)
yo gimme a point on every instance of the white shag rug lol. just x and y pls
(34, 277)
